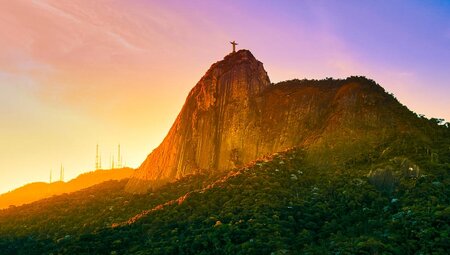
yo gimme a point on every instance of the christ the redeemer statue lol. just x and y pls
(234, 46)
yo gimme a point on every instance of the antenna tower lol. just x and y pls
(61, 174)
(98, 163)
(119, 158)
(112, 161)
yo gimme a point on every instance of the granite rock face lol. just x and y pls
(235, 115)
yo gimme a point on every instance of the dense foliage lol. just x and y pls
(82, 212)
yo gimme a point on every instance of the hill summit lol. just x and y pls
(40, 190)
(235, 115)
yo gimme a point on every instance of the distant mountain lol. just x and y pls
(235, 115)
(39, 190)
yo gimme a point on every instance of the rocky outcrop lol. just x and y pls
(213, 127)
(235, 115)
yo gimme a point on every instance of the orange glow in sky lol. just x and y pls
(77, 73)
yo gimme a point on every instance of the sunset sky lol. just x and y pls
(77, 73)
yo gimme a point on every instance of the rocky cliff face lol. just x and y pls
(235, 115)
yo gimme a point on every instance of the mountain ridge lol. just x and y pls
(39, 190)
(234, 115)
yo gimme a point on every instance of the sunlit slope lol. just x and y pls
(39, 190)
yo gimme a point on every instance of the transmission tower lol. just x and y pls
(61, 173)
(98, 159)
(119, 158)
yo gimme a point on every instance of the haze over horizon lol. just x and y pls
(74, 74)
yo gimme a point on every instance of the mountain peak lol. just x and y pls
(240, 55)
(234, 115)
(236, 59)
(238, 77)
